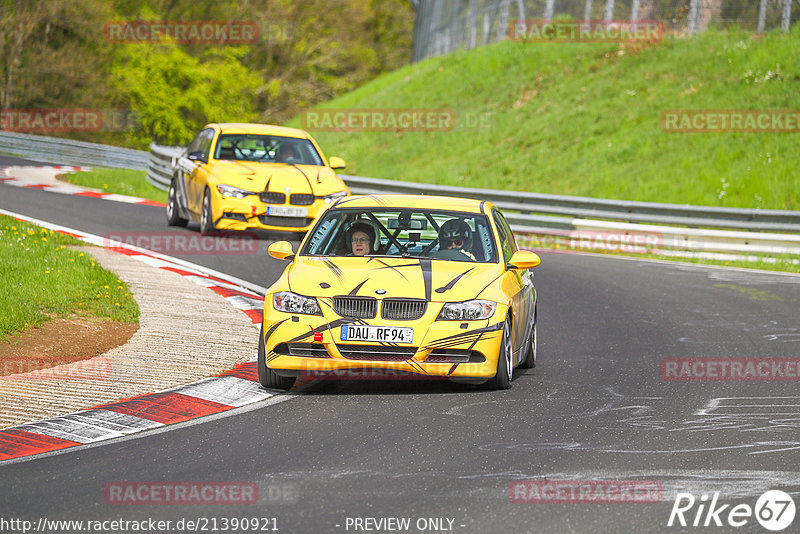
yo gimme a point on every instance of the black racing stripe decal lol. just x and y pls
(455, 342)
(394, 267)
(452, 282)
(425, 264)
(354, 291)
(334, 269)
(462, 335)
(377, 199)
(452, 369)
(272, 329)
(298, 169)
(417, 366)
(343, 200)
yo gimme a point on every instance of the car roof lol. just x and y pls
(259, 129)
(413, 201)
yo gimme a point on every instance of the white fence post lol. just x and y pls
(694, 12)
(609, 13)
(787, 15)
(762, 16)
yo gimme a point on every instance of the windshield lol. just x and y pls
(408, 233)
(266, 148)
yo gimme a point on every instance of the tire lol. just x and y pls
(530, 358)
(505, 360)
(267, 376)
(173, 214)
(206, 215)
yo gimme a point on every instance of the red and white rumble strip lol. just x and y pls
(233, 388)
(70, 189)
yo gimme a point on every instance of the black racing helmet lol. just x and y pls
(455, 230)
(366, 226)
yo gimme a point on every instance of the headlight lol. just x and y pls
(288, 302)
(471, 310)
(230, 191)
(333, 196)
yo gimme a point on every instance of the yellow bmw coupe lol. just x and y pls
(253, 176)
(420, 285)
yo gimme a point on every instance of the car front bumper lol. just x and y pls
(250, 213)
(308, 345)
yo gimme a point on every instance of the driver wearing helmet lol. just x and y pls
(456, 235)
(287, 153)
(361, 238)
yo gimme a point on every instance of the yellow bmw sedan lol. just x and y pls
(420, 285)
(253, 176)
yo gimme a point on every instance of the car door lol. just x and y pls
(192, 171)
(202, 171)
(517, 283)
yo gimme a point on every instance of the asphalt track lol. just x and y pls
(595, 408)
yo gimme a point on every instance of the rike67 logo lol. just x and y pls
(774, 510)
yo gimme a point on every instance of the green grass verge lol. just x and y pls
(119, 181)
(584, 119)
(44, 279)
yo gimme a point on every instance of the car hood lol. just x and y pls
(257, 177)
(386, 277)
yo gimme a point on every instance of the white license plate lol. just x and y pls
(389, 334)
(287, 211)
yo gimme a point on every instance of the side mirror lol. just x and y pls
(281, 250)
(336, 163)
(524, 259)
(197, 155)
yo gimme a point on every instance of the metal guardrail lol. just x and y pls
(161, 164)
(67, 152)
(530, 214)
(571, 220)
(573, 207)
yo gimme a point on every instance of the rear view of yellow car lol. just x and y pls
(432, 286)
(253, 176)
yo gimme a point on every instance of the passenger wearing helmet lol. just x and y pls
(361, 238)
(455, 235)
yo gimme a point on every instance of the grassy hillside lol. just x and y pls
(584, 119)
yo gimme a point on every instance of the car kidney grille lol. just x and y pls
(358, 307)
(377, 352)
(301, 199)
(402, 309)
(272, 197)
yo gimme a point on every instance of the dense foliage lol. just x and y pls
(58, 54)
